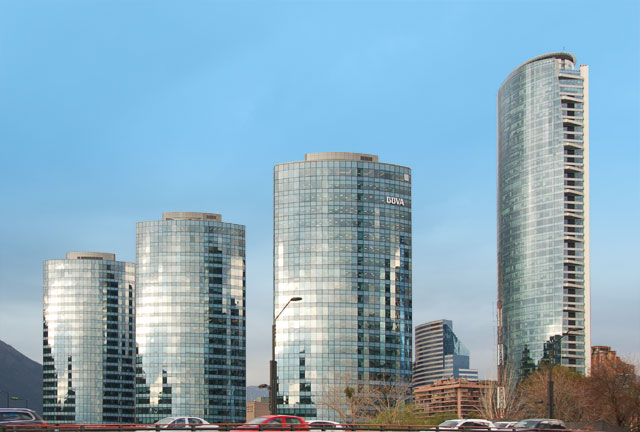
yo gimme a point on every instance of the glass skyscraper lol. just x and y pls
(88, 339)
(342, 242)
(440, 354)
(191, 329)
(543, 213)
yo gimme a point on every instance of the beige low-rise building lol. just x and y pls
(257, 408)
(450, 395)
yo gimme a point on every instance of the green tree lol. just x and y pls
(437, 418)
(400, 415)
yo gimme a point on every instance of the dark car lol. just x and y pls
(20, 417)
(275, 423)
(531, 424)
(323, 425)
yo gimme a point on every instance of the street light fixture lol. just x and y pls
(273, 366)
(551, 361)
(16, 398)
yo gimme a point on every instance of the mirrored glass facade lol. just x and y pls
(440, 354)
(191, 329)
(543, 212)
(88, 339)
(342, 242)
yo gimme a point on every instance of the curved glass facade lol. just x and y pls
(191, 330)
(440, 354)
(342, 242)
(88, 339)
(543, 224)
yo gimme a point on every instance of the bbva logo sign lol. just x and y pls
(395, 201)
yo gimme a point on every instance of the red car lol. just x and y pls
(275, 423)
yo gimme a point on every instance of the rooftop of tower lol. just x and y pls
(338, 156)
(341, 157)
(555, 55)
(98, 256)
(192, 216)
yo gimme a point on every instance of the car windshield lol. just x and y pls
(450, 423)
(502, 424)
(257, 420)
(526, 424)
(165, 420)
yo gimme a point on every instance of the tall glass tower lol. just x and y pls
(88, 339)
(191, 332)
(342, 242)
(543, 214)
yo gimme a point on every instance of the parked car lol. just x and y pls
(323, 425)
(504, 424)
(275, 423)
(466, 424)
(20, 417)
(185, 423)
(530, 424)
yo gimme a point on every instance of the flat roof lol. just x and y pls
(195, 216)
(98, 256)
(342, 156)
(338, 156)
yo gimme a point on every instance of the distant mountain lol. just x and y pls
(20, 377)
(254, 392)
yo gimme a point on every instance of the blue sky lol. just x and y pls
(112, 112)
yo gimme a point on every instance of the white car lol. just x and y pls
(323, 425)
(466, 424)
(185, 423)
(504, 424)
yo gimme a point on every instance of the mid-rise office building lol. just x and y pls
(543, 212)
(342, 242)
(88, 339)
(191, 329)
(440, 354)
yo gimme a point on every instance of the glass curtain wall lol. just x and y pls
(88, 339)
(342, 242)
(191, 332)
(543, 269)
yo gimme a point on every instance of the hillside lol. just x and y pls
(20, 377)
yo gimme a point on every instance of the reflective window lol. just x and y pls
(191, 332)
(342, 242)
(89, 341)
(541, 214)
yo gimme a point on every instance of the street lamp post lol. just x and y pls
(273, 366)
(6, 393)
(551, 361)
